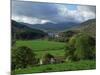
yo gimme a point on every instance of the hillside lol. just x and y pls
(21, 31)
(89, 27)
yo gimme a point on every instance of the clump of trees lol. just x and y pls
(29, 34)
(22, 57)
(68, 34)
(63, 36)
(80, 47)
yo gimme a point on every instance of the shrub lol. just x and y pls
(22, 57)
(85, 46)
(47, 57)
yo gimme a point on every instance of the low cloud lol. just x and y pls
(30, 20)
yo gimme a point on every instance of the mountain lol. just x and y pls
(87, 27)
(53, 27)
(20, 31)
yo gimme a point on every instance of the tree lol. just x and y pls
(85, 47)
(81, 46)
(22, 57)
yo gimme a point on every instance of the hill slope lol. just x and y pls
(21, 31)
(89, 27)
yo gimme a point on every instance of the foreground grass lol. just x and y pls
(68, 66)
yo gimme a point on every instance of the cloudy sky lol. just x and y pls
(40, 13)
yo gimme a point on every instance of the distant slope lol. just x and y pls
(51, 27)
(88, 27)
(20, 31)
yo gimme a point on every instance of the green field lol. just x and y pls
(68, 66)
(40, 47)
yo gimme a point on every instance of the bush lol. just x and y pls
(85, 46)
(47, 57)
(22, 57)
(80, 47)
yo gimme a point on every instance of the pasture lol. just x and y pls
(41, 47)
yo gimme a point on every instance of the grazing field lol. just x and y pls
(67, 66)
(53, 52)
(41, 47)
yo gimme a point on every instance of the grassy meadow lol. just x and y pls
(40, 47)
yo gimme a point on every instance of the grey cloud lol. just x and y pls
(52, 12)
(32, 9)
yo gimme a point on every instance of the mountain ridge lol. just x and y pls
(52, 27)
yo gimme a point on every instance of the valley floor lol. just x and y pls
(41, 47)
